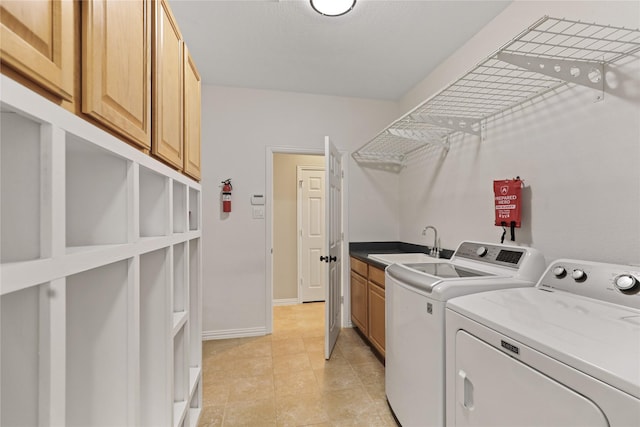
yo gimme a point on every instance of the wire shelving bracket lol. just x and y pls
(550, 53)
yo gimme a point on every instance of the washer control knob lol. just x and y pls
(481, 251)
(626, 282)
(579, 275)
(559, 271)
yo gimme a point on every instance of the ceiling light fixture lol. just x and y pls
(332, 7)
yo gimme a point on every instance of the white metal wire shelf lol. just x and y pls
(550, 53)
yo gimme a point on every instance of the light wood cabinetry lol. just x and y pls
(376, 304)
(133, 76)
(37, 41)
(368, 302)
(100, 276)
(168, 80)
(192, 113)
(116, 66)
(359, 314)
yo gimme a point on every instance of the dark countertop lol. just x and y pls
(361, 250)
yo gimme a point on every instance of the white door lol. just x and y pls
(311, 234)
(333, 233)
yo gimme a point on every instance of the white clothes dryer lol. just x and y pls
(563, 353)
(416, 295)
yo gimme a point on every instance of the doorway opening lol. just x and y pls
(298, 228)
(336, 234)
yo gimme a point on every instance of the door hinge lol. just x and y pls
(342, 299)
(342, 174)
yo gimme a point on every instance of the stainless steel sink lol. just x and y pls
(403, 258)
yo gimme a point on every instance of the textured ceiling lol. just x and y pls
(379, 50)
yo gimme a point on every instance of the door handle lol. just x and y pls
(332, 259)
(464, 390)
(328, 258)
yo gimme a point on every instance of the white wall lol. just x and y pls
(238, 125)
(579, 159)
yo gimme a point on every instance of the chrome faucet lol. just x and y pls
(435, 249)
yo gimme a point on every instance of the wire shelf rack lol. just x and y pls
(550, 53)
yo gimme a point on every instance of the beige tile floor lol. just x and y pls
(283, 380)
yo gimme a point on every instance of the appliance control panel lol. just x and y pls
(502, 255)
(614, 283)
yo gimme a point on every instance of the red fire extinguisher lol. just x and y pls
(226, 195)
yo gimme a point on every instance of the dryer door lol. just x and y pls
(495, 389)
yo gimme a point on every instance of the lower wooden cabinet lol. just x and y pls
(376, 302)
(368, 302)
(359, 314)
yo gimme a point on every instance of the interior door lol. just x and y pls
(333, 238)
(311, 234)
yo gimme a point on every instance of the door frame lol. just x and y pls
(268, 250)
(299, 202)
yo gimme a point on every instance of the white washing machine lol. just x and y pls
(416, 295)
(564, 353)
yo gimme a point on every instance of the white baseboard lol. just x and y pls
(285, 301)
(233, 333)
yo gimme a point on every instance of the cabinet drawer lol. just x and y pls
(359, 267)
(376, 275)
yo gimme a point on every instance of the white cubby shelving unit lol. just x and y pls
(551, 53)
(100, 275)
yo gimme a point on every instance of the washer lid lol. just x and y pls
(597, 338)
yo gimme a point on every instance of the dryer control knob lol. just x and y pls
(626, 282)
(481, 251)
(559, 271)
(579, 275)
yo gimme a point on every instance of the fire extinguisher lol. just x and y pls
(226, 195)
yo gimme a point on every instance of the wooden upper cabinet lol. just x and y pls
(37, 41)
(167, 92)
(116, 66)
(192, 113)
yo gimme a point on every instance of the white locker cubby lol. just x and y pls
(100, 279)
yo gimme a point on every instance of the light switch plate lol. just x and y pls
(258, 212)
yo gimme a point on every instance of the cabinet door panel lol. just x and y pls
(117, 43)
(359, 314)
(36, 39)
(167, 87)
(376, 316)
(191, 117)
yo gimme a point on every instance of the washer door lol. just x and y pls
(495, 389)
